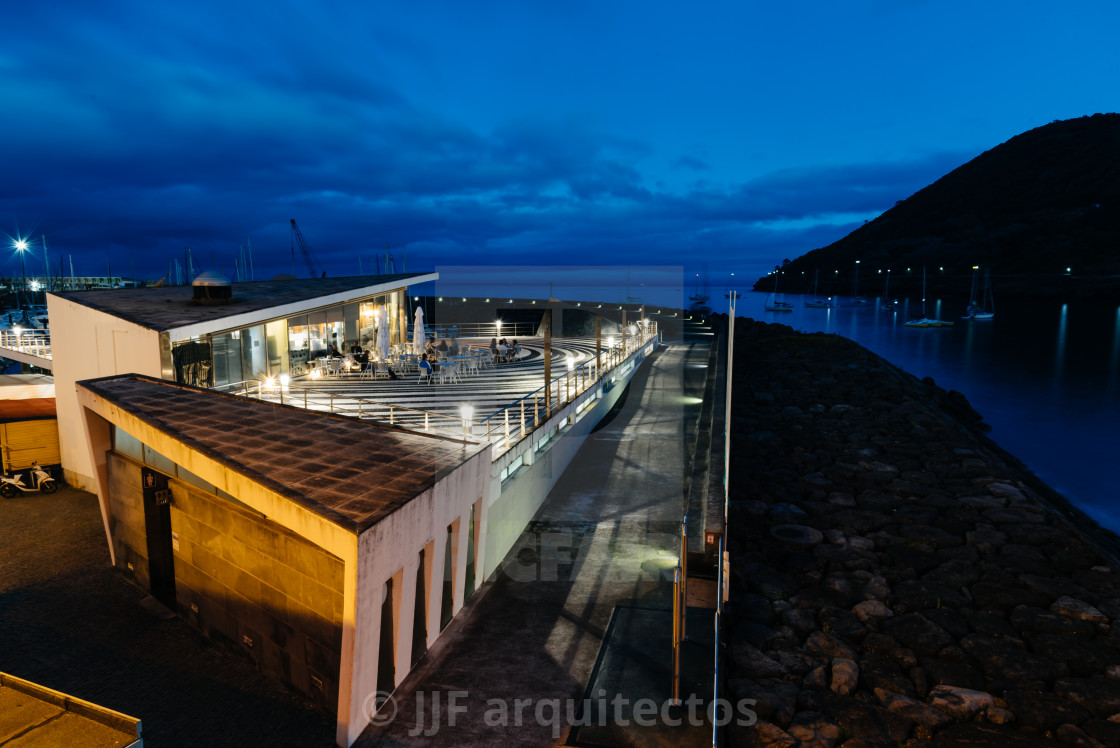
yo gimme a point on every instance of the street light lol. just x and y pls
(21, 247)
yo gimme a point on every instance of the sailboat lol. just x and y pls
(925, 321)
(986, 308)
(772, 303)
(886, 305)
(817, 302)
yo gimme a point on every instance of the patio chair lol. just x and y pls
(381, 371)
(425, 372)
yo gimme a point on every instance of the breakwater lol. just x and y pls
(896, 577)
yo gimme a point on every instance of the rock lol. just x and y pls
(1030, 620)
(921, 714)
(912, 595)
(986, 538)
(878, 467)
(754, 663)
(797, 536)
(1013, 516)
(989, 595)
(786, 513)
(1053, 586)
(1043, 710)
(841, 499)
(842, 623)
(1004, 660)
(918, 633)
(1074, 608)
(1074, 735)
(811, 728)
(1099, 695)
(828, 645)
(1113, 672)
(871, 610)
(801, 620)
(845, 676)
(879, 672)
(1005, 491)
(1103, 730)
(1000, 716)
(768, 735)
(950, 673)
(959, 703)
(1083, 656)
(982, 502)
(795, 661)
(817, 679)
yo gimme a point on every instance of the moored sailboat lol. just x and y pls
(925, 321)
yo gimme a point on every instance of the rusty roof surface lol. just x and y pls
(352, 472)
(169, 307)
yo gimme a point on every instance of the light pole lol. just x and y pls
(21, 247)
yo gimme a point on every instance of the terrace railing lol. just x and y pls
(30, 342)
(507, 426)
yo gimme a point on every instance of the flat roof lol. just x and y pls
(167, 308)
(351, 472)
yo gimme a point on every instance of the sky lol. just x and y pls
(720, 137)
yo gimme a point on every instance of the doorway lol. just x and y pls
(157, 523)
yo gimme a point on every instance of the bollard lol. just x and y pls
(536, 410)
(506, 411)
(390, 415)
(425, 421)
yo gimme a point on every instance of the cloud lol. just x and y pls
(691, 162)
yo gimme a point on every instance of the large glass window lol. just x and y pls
(193, 363)
(227, 358)
(254, 362)
(299, 345)
(276, 337)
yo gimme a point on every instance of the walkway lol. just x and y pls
(607, 535)
(31, 347)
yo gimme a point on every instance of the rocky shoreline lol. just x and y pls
(896, 578)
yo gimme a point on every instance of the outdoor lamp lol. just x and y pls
(284, 380)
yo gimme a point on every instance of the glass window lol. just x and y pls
(299, 345)
(126, 444)
(254, 362)
(227, 358)
(193, 362)
(276, 337)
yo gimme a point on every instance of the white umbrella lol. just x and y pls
(383, 333)
(418, 332)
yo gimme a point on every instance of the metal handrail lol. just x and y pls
(31, 341)
(568, 386)
(340, 404)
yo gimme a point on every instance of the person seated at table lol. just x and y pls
(453, 349)
(362, 357)
(429, 349)
(442, 347)
(494, 347)
(332, 352)
(355, 348)
(515, 349)
(503, 350)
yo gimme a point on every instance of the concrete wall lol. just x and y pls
(88, 344)
(512, 507)
(391, 550)
(242, 580)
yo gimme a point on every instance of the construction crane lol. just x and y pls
(312, 267)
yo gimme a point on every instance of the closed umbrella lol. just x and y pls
(383, 333)
(418, 332)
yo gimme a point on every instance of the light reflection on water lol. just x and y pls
(1044, 376)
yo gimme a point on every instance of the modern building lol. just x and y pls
(330, 549)
(213, 334)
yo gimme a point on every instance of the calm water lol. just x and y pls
(1044, 376)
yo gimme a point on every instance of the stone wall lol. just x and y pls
(243, 581)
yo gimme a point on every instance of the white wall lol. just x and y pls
(393, 545)
(89, 344)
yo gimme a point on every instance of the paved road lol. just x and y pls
(607, 535)
(68, 621)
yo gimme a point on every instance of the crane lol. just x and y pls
(312, 267)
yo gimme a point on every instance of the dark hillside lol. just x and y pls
(1027, 209)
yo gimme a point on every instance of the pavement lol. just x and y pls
(68, 621)
(511, 668)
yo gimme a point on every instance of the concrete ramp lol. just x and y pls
(32, 715)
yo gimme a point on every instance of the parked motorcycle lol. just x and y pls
(41, 481)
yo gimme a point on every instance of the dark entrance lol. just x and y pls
(157, 521)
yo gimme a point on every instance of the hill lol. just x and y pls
(1028, 209)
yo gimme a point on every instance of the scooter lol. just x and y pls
(41, 482)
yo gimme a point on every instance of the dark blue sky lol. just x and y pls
(621, 133)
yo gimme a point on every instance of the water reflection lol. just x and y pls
(1060, 348)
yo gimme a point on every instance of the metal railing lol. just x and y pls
(503, 428)
(412, 419)
(31, 342)
(507, 426)
(480, 330)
